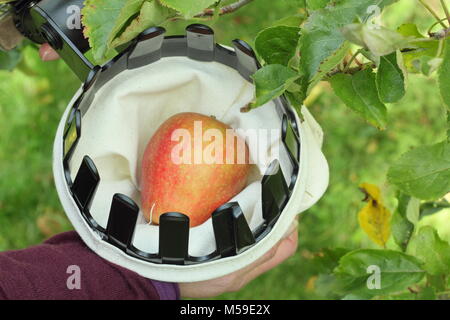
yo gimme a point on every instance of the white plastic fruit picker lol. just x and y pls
(104, 130)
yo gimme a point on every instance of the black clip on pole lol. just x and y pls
(51, 21)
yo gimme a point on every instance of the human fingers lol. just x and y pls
(47, 53)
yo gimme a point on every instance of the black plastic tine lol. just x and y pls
(291, 140)
(122, 221)
(222, 220)
(147, 49)
(85, 183)
(247, 62)
(231, 230)
(72, 135)
(200, 42)
(173, 237)
(275, 192)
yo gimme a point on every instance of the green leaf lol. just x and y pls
(444, 75)
(104, 19)
(152, 14)
(359, 93)
(427, 65)
(329, 64)
(422, 50)
(432, 207)
(404, 220)
(188, 8)
(277, 45)
(271, 82)
(390, 79)
(321, 35)
(423, 172)
(434, 252)
(380, 41)
(9, 59)
(397, 271)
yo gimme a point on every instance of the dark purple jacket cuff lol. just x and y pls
(64, 268)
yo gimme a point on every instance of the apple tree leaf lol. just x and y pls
(390, 79)
(272, 81)
(380, 41)
(359, 93)
(188, 8)
(277, 45)
(152, 14)
(432, 250)
(358, 270)
(404, 219)
(423, 172)
(104, 19)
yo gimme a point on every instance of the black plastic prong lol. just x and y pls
(275, 192)
(223, 230)
(148, 48)
(72, 135)
(291, 140)
(173, 237)
(247, 61)
(231, 230)
(200, 42)
(85, 183)
(122, 221)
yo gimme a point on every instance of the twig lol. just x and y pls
(224, 10)
(351, 61)
(435, 24)
(447, 13)
(433, 13)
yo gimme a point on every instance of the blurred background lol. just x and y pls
(34, 95)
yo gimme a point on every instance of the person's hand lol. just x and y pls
(239, 279)
(47, 53)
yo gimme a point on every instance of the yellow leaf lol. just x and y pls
(375, 218)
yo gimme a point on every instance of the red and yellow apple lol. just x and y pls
(192, 164)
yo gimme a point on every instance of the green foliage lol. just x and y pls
(397, 271)
(423, 172)
(390, 79)
(271, 82)
(380, 41)
(434, 252)
(359, 93)
(187, 8)
(277, 45)
(404, 220)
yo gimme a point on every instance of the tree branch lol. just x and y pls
(447, 13)
(224, 10)
(433, 13)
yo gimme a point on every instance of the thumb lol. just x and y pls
(47, 53)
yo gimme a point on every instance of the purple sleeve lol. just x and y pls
(65, 268)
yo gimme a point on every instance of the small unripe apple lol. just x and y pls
(192, 164)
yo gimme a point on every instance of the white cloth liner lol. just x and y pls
(127, 111)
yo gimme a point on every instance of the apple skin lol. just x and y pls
(195, 189)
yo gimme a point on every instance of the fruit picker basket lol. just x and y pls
(101, 137)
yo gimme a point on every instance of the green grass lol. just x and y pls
(33, 98)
